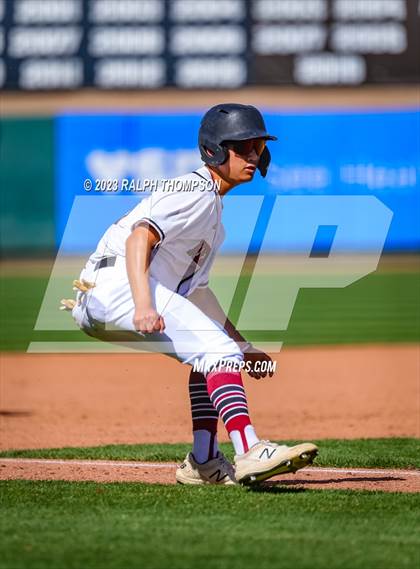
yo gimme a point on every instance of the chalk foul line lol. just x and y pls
(172, 465)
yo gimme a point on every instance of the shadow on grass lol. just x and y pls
(326, 481)
(273, 488)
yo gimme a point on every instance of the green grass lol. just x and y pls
(367, 453)
(87, 525)
(382, 307)
(378, 308)
(21, 299)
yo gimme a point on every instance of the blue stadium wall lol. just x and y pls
(345, 153)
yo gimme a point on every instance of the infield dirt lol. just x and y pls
(323, 392)
(384, 480)
(87, 400)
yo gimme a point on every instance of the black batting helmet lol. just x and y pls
(231, 121)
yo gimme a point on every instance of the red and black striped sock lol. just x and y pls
(227, 394)
(204, 419)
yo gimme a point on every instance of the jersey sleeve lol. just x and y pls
(163, 214)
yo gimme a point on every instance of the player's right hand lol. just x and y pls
(147, 321)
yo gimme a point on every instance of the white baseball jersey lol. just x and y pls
(186, 214)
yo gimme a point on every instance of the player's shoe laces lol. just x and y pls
(216, 471)
(266, 459)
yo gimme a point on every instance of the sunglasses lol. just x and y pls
(245, 147)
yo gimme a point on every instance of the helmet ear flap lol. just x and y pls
(219, 153)
(264, 162)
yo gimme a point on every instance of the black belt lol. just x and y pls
(105, 262)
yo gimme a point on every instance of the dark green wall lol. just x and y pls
(26, 184)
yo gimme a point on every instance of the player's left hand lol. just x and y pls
(256, 358)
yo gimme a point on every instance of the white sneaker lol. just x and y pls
(266, 459)
(216, 471)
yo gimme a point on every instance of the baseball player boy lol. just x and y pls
(147, 282)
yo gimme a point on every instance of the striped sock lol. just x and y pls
(227, 394)
(204, 419)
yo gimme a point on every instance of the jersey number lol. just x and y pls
(199, 254)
